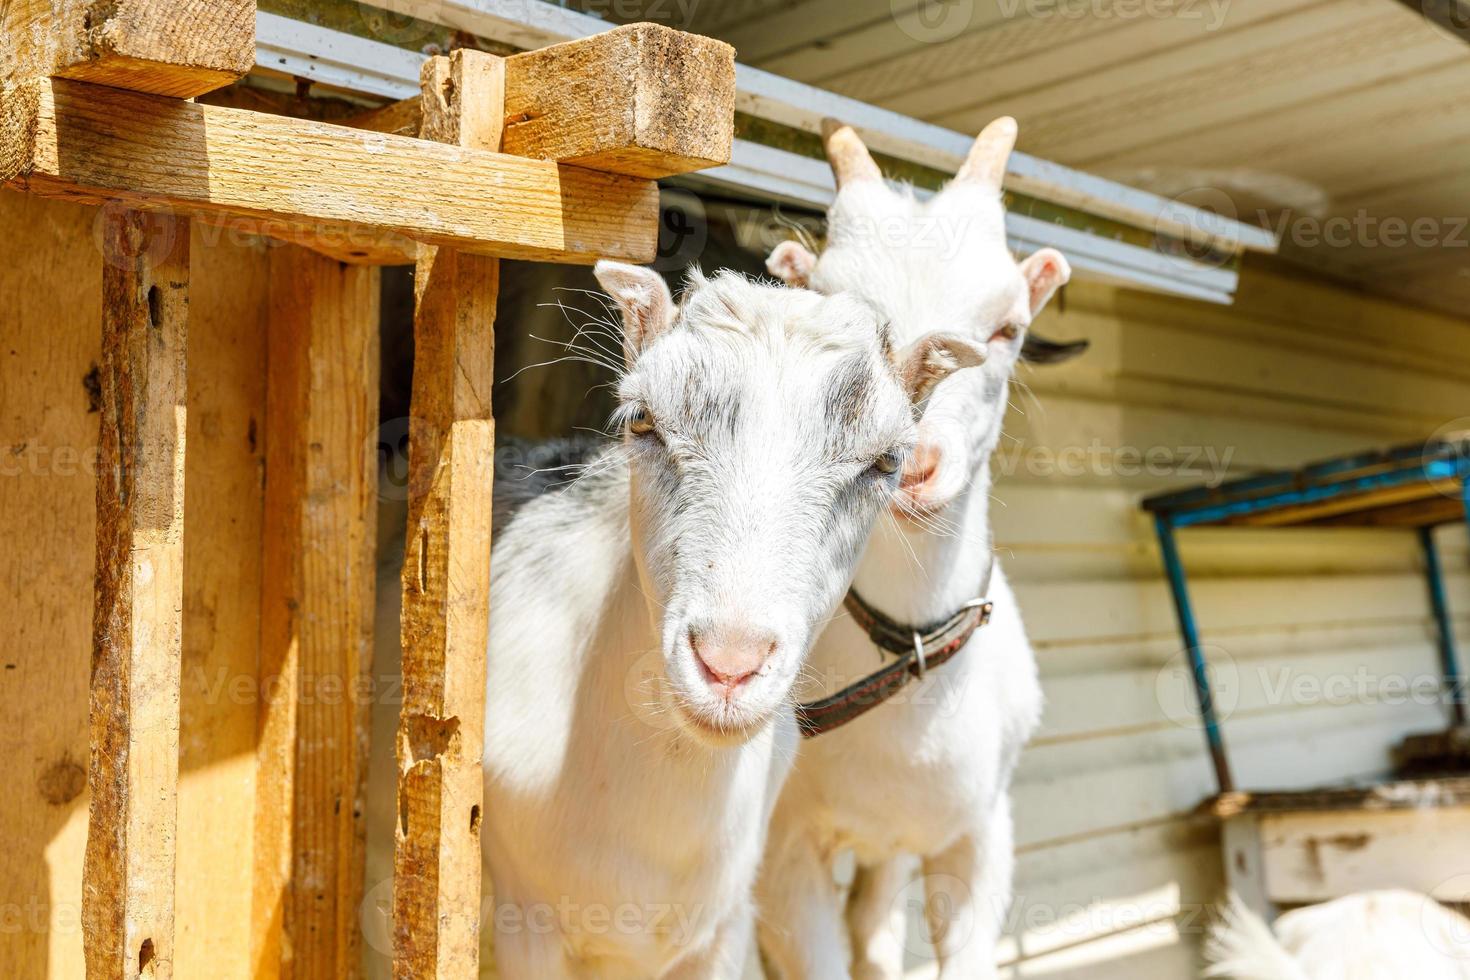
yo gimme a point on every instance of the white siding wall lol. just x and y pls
(1113, 867)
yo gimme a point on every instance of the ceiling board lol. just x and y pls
(1276, 64)
(1026, 54)
(1294, 111)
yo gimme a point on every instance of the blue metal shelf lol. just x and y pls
(1414, 487)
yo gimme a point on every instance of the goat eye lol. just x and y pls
(1010, 332)
(640, 422)
(890, 462)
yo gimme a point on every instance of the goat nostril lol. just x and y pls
(729, 665)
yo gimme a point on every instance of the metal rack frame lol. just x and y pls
(1412, 487)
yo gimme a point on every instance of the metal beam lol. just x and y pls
(1200, 671)
(1444, 631)
(359, 65)
(533, 23)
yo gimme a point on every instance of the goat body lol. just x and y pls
(648, 622)
(609, 830)
(1383, 935)
(928, 773)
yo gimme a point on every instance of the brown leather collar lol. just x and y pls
(919, 650)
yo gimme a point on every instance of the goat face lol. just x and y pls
(766, 431)
(937, 264)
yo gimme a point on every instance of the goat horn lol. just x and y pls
(850, 159)
(987, 161)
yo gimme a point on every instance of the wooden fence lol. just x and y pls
(550, 155)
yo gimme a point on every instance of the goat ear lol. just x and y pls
(792, 263)
(644, 298)
(1045, 272)
(934, 357)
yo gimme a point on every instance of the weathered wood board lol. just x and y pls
(132, 839)
(50, 344)
(642, 100)
(179, 48)
(253, 170)
(319, 535)
(446, 567)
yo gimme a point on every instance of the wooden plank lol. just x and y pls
(50, 346)
(1245, 863)
(349, 244)
(317, 614)
(1315, 857)
(128, 892)
(641, 100)
(179, 48)
(228, 330)
(19, 111)
(463, 100)
(446, 569)
(92, 142)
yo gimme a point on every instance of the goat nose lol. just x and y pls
(922, 465)
(730, 657)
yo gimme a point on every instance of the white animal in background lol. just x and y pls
(648, 621)
(927, 773)
(1384, 935)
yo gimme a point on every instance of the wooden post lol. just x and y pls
(446, 568)
(316, 615)
(128, 881)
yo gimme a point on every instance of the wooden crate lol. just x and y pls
(1300, 848)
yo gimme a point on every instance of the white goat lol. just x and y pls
(928, 773)
(648, 621)
(1384, 935)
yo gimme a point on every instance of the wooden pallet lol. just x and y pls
(550, 155)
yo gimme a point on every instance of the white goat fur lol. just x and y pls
(928, 773)
(626, 801)
(1384, 935)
